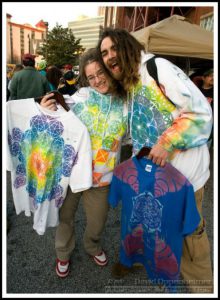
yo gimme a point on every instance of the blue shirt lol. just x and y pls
(158, 210)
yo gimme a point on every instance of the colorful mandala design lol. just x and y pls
(43, 159)
(104, 119)
(145, 129)
(150, 118)
(147, 210)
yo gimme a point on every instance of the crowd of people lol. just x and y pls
(37, 79)
(171, 121)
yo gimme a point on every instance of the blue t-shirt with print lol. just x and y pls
(158, 210)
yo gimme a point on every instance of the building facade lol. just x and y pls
(23, 38)
(87, 29)
(135, 18)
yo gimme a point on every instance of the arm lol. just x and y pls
(80, 96)
(192, 127)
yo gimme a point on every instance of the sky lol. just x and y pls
(51, 12)
(60, 12)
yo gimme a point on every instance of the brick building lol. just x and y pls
(23, 38)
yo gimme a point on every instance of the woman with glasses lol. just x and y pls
(100, 105)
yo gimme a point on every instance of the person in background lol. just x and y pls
(100, 105)
(53, 76)
(67, 84)
(16, 68)
(66, 67)
(207, 89)
(8, 78)
(28, 83)
(174, 120)
(41, 67)
(207, 86)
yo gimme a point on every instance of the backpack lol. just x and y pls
(152, 70)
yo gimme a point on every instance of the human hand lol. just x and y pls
(49, 102)
(158, 155)
(209, 100)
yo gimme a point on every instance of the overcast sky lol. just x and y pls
(51, 12)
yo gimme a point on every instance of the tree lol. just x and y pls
(61, 47)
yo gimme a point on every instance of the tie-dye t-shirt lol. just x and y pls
(106, 119)
(158, 210)
(46, 152)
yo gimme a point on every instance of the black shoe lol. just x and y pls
(119, 270)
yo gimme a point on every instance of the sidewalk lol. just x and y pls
(31, 258)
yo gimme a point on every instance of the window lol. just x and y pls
(207, 22)
(22, 38)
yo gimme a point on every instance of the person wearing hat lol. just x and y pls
(41, 66)
(67, 85)
(28, 83)
(67, 67)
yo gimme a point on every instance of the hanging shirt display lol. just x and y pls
(158, 211)
(46, 152)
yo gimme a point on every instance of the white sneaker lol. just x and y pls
(100, 259)
(62, 268)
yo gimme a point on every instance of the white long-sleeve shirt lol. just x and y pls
(181, 126)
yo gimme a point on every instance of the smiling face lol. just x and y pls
(110, 57)
(97, 78)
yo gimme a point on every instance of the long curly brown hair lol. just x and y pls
(92, 55)
(129, 54)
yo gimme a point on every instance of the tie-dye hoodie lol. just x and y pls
(105, 117)
(183, 123)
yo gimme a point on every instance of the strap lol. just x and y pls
(152, 69)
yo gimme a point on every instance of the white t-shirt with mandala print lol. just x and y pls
(46, 152)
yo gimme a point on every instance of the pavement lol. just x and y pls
(31, 258)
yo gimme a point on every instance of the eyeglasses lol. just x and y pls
(99, 74)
